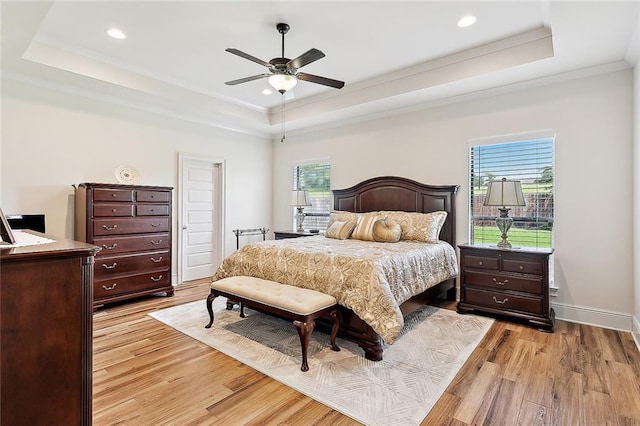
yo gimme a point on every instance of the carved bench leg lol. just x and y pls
(242, 315)
(304, 331)
(210, 298)
(334, 331)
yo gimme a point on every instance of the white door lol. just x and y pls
(201, 217)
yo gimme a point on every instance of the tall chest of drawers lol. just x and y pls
(132, 226)
(512, 283)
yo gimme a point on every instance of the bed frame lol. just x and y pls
(402, 194)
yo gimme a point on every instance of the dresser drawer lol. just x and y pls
(130, 226)
(152, 210)
(521, 266)
(115, 245)
(129, 284)
(503, 301)
(153, 196)
(504, 282)
(113, 210)
(111, 266)
(481, 262)
(124, 195)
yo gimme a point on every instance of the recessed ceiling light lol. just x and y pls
(467, 21)
(267, 92)
(116, 33)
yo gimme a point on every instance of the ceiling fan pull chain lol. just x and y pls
(282, 132)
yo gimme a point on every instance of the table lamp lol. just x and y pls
(503, 193)
(299, 199)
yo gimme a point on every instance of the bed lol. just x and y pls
(364, 275)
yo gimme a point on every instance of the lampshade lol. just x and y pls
(504, 193)
(300, 197)
(282, 82)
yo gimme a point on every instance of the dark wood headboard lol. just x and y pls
(400, 194)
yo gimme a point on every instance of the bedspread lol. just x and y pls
(370, 278)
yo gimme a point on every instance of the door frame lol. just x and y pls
(183, 157)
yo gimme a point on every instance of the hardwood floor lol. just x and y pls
(145, 373)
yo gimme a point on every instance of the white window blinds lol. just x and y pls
(530, 162)
(316, 178)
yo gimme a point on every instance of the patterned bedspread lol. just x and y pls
(372, 279)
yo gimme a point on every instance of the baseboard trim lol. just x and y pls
(597, 317)
(636, 331)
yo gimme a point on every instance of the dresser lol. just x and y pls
(46, 331)
(132, 225)
(507, 282)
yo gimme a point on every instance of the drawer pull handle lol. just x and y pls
(500, 282)
(114, 195)
(110, 287)
(109, 228)
(480, 263)
(104, 265)
(153, 225)
(501, 302)
(111, 247)
(113, 210)
(154, 260)
(155, 243)
(156, 279)
(521, 267)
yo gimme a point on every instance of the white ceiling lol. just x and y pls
(390, 54)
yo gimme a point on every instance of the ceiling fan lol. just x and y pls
(284, 72)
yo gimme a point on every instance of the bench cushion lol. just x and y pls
(297, 300)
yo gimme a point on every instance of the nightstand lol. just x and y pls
(508, 282)
(281, 235)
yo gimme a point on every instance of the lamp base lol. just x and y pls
(300, 218)
(504, 223)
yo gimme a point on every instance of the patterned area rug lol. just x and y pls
(400, 389)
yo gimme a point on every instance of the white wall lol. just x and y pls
(51, 140)
(593, 209)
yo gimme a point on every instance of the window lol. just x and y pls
(316, 178)
(529, 161)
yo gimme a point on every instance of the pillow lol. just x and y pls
(419, 226)
(364, 227)
(340, 230)
(341, 216)
(386, 230)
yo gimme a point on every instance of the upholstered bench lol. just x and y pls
(301, 305)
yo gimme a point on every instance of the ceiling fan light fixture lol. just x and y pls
(282, 82)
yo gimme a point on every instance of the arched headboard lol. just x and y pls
(401, 194)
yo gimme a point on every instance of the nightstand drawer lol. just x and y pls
(521, 266)
(481, 262)
(504, 282)
(500, 300)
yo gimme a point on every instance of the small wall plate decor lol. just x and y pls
(127, 175)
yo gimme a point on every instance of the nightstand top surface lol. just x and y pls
(508, 250)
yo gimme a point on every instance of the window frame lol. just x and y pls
(314, 219)
(471, 175)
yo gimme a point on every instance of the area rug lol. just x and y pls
(399, 390)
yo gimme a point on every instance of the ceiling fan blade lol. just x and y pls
(249, 57)
(244, 80)
(306, 58)
(320, 80)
